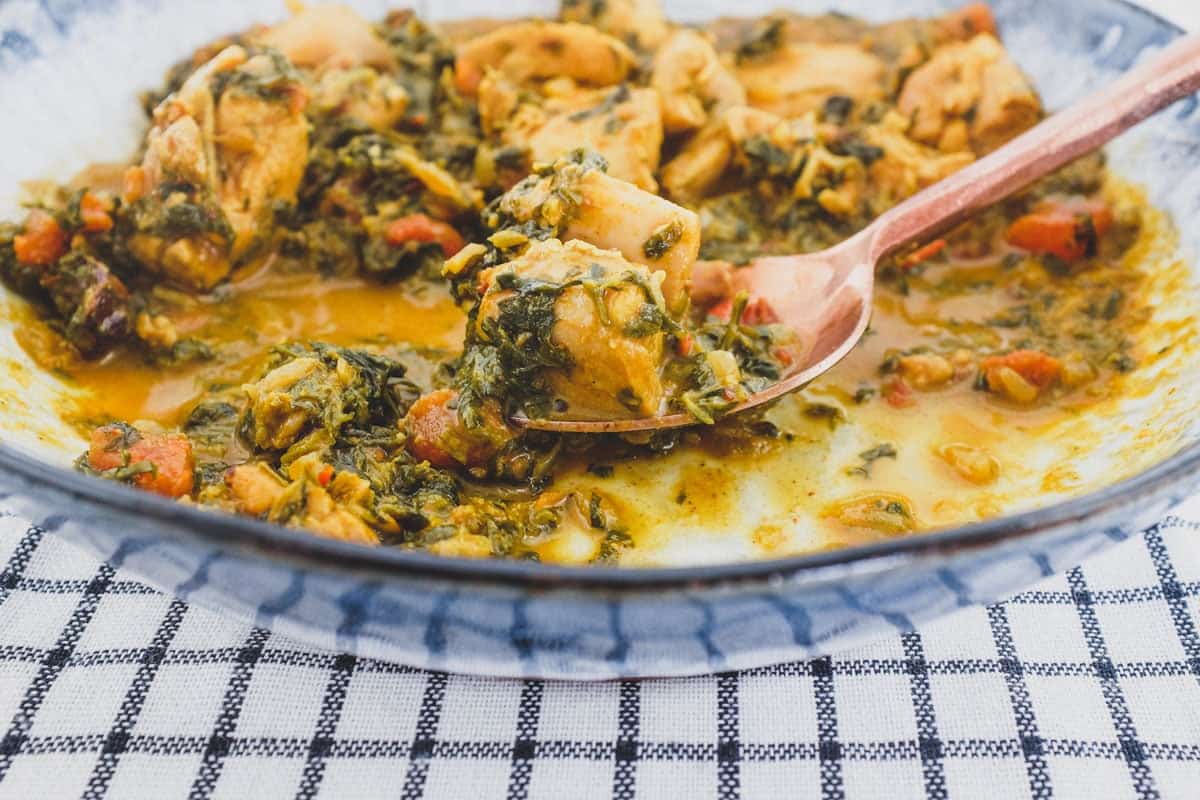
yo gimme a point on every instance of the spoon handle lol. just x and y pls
(1169, 76)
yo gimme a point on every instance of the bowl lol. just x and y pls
(67, 72)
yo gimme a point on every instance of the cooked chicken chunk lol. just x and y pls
(969, 95)
(794, 79)
(621, 124)
(537, 50)
(906, 167)
(333, 36)
(705, 157)
(262, 151)
(223, 150)
(692, 82)
(613, 214)
(257, 490)
(602, 303)
(640, 23)
(362, 93)
(699, 164)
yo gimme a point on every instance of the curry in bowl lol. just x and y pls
(350, 256)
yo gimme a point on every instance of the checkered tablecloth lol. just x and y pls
(1087, 685)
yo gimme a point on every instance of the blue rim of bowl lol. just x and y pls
(273, 540)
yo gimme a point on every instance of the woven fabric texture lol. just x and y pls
(1087, 685)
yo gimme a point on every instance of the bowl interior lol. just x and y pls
(73, 79)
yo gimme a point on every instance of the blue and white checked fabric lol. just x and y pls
(1087, 685)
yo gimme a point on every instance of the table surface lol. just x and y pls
(1087, 685)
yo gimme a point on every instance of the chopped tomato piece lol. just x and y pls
(420, 228)
(685, 345)
(1040, 369)
(467, 76)
(325, 475)
(721, 309)
(437, 434)
(169, 456)
(429, 421)
(133, 184)
(758, 311)
(42, 242)
(923, 253)
(93, 210)
(297, 97)
(1068, 229)
(969, 20)
(899, 394)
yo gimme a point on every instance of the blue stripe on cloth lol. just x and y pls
(1173, 592)
(1032, 744)
(51, 667)
(1114, 697)
(332, 702)
(928, 741)
(729, 778)
(524, 749)
(425, 738)
(135, 697)
(829, 749)
(218, 746)
(626, 750)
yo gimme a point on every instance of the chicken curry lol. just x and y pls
(350, 255)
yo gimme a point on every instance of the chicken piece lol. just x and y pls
(793, 79)
(705, 156)
(972, 463)
(498, 99)
(181, 142)
(905, 166)
(310, 496)
(463, 545)
(925, 371)
(607, 320)
(254, 487)
(622, 125)
(280, 403)
(222, 152)
(322, 514)
(362, 93)
(692, 82)
(640, 23)
(310, 391)
(329, 36)
(694, 170)
(969, 95)
(262, 152)
(612, 214)
(537, 50)
(645, 228)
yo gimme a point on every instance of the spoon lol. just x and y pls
(825, 297)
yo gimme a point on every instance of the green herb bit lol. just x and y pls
(663, 239)
(869, 457)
